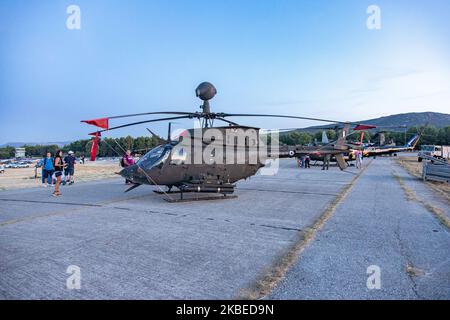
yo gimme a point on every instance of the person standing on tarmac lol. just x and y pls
(47, 170)
(307, 162)
(326, 162)
(69, 169)
(59, 167)
(126, 161)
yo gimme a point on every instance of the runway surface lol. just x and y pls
(382, 224)
(138, 246)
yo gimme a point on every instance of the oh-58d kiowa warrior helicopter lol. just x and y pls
(208, 159)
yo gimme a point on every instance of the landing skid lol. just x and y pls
(166, 192)
(211, 198)
(195, 196)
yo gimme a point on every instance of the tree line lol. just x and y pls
(110, 147)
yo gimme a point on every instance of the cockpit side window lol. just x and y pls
(179, 156)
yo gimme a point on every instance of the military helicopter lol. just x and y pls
(340, 151)
(392, 149)
(209, 159)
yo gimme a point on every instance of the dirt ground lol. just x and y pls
(25, 177)
(415, 168)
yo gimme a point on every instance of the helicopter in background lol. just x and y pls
(392, 149)
(194, 163)
(342, 154)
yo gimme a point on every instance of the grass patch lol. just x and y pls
(415, 168)
(412, 196)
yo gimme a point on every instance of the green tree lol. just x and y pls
(7, 152)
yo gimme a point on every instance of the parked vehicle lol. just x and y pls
(17, 165)
(439, 152)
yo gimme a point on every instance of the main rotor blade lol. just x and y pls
(150, 113)
(277, 116)
(146, 121)
(288, 117)
(281, 130)
(371, 127)
(227, 121)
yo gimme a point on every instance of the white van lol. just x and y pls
(439, 152)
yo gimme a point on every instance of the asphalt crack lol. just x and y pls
(53, 202)
(409, 264)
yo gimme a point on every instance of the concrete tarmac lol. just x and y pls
(382, 224)
(138, 246)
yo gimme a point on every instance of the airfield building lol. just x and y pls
(20, 153)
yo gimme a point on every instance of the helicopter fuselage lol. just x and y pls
(216, 156)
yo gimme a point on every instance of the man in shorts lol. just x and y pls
(69, 169)
(47, 170)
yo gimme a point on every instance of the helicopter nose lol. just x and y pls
(129, 172)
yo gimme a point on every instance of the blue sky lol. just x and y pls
(309, 58)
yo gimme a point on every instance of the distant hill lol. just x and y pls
(21, 144)
(411, 119)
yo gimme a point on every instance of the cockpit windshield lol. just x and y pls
(155, 156)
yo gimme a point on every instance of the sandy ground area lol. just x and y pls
(414, 167)
(26, 177)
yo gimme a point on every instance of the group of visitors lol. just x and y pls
(303, 161)
(54, 168)
(57, 169)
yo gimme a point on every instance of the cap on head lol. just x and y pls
(70, 152)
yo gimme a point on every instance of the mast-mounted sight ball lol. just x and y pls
(205, 91)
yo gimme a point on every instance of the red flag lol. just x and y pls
(102, 122)
(94, 148)
(361, 127)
